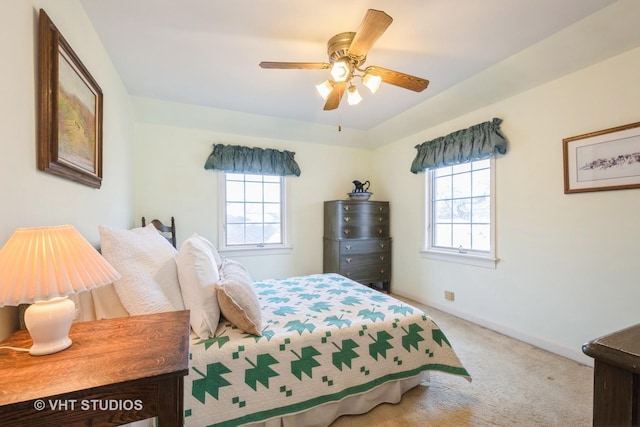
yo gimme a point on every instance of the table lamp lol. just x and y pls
(43, 265)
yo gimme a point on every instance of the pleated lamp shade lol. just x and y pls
(43, 265)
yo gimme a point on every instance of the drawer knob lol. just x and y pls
(381, 257)
(347, 219)
(346, 232)
(381, 272)
(349, 260)
(348, 247)
(380, 231)
(380, 209)
(346, 207)
(380, 219)
(382, 245)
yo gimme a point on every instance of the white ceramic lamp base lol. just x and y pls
(49, 322)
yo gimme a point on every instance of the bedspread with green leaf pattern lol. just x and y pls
(325, 338)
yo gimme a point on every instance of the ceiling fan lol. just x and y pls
(347, 54)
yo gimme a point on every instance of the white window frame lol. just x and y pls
(486, 259)
(253, 249)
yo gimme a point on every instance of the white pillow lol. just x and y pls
(147, 263)
(198, 273)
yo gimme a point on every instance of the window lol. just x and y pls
(253, 214)
(460, 213)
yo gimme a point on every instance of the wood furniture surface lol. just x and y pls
(616, 391)
(167, 231)
(357, 243)
(115, 372)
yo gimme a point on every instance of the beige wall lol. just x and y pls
(29, 197)
(568, 263)
(170, 180)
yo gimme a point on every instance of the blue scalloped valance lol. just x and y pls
(239, 159)
(477, 142)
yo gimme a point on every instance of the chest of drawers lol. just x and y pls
(357, 243)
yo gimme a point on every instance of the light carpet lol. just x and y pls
(514, 384)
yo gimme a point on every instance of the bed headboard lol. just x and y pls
(168, 231)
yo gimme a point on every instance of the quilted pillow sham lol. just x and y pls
(147, 263)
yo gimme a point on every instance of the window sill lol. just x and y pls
(460, 258)
(255, 251)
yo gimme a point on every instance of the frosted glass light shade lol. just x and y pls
(45, 262)
(372, 82)
(324, 89)
(341, 70)
(353, 96)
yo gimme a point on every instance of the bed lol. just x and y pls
(298, 351)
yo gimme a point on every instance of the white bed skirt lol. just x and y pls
(323, 415)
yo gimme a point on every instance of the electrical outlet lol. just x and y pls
(449, 295)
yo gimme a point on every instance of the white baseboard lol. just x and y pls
(570, 353)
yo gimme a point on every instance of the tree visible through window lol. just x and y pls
(253, 210)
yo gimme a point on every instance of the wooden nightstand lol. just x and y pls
(116, 371)
(616, 377)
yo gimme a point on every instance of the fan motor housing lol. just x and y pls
(338, 47)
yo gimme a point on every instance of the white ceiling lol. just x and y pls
(206, 52)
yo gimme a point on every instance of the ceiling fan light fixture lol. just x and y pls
(353, 96)
(325, 88)
(372, 82)
(341, 70)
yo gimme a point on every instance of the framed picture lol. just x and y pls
(70, 122)
(605, 160)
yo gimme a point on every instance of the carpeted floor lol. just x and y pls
(514, 384)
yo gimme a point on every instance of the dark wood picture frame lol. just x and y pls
(70, 121)
(604, 160)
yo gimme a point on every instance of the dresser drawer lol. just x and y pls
(359, 232)
(367, 274)
(348, 261)
(348, 247)
(355, 208)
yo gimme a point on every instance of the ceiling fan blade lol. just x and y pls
(296, 65)
(396, 78)
(333, 100)
(373, 25)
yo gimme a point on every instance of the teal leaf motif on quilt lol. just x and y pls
(337, 291)
(351, 301)
(320, 306)
(401, 309)
(260, 372)
(379, 297)
(266, 333)
(338, 321)
(220, 340)
(278, 300)
(285, 310)
(211, 382)
(413, 337)
(371, 315)
(381, 345)
(308, 296)
(300, 327)
(438, 336)
(305, 362)
(344, 355)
